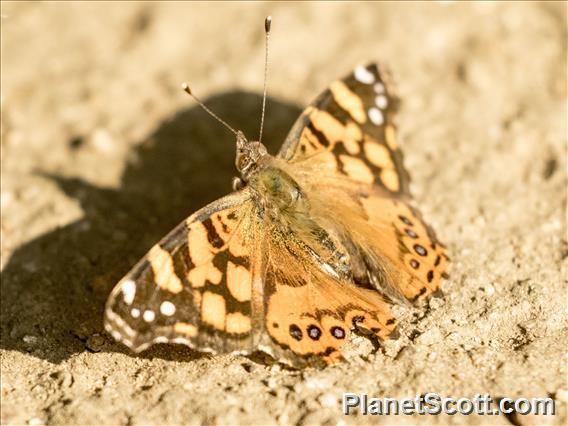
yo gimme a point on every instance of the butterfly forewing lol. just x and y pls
(194, 287)
(348, 131)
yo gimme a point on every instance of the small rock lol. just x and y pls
(357, 346)
(39, 391)
(392, 347)
(283, 419)
(405, 352)
(430, 337)
(95, 342)
(35, 421)
(81, 332)
(63, 378)
(436, 302)
(30, 340)
(271, 383)
(315, 383)
(103, 141)
(328, 400)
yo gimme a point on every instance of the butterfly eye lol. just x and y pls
(242, 162)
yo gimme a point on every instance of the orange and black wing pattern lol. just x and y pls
(343, 152)
(349, 131)
(194, 287)
(311, 306)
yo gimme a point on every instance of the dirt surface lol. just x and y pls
(102, 154)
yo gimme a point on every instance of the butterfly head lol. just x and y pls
(249, 156)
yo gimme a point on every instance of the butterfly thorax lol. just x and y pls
(286, 211)
(278, 193)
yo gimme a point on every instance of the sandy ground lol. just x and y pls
(102, 154)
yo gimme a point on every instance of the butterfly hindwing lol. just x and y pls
(311, 309)
(399, 243)
(349, 130)
(194, 287)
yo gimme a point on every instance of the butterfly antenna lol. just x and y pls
(267, 23)
(186, 88)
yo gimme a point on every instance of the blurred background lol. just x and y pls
(103, 153)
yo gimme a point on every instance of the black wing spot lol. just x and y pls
(295, 332)
(338, 332)
(322, 139)
(314, 332)
(420, 250)
(212, 235)
(411, 233)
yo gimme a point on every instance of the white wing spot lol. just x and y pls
(363, 75)
(128, 291)
(376, 116)
(149, 316)
(135, 313)
(167, 308)
(379, 88)
(381, 101)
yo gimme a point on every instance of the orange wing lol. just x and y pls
(343, 153)
(311, 307)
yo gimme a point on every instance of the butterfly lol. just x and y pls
(314, 244)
